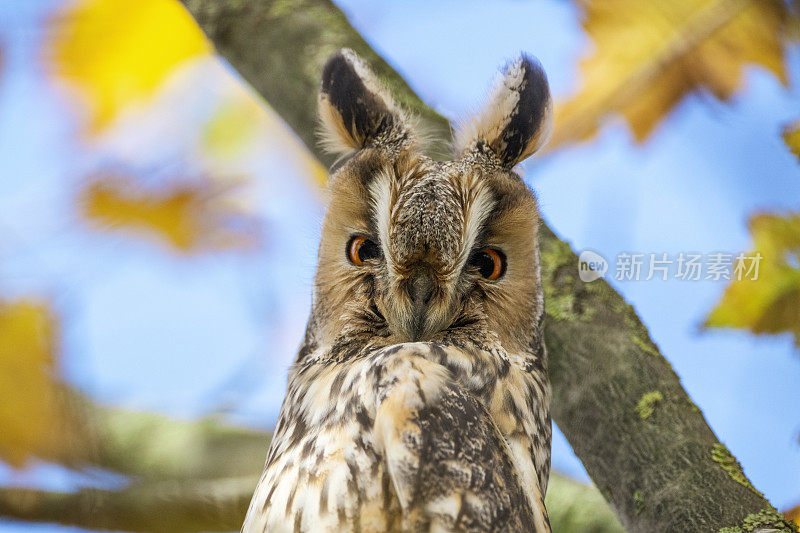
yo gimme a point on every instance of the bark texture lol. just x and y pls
(663, 472)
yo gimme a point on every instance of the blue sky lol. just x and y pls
(146, 328)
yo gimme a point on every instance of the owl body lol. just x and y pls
(419, 400)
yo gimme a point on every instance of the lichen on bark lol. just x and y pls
(638, 502)
(725, 459)
(766, 520)
(647, 404)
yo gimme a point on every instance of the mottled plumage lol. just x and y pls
(419, 400)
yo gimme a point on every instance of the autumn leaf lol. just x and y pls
(791, 136)
(770, 303)
(29, 411)
(793, 514)
(115, 54)
(193, 216)
(649, 55)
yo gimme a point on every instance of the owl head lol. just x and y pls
(414, 249)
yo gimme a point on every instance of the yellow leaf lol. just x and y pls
(117, 53)
(649, 54)
(791, 136)
(190, 216)
(771, 303)
(29, 412)
(793, 513)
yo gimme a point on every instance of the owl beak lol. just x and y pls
(420, 291)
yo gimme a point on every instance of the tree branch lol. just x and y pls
(664, 472)
(149, 446)
(220, 505)
(196, 476)
(169, 506)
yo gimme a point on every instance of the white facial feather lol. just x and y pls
(382, 191)
(479, 203)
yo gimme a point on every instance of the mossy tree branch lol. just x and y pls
(658, 472)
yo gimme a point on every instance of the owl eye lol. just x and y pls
(361, 249)
(491, 263)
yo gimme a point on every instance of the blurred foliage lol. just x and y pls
(125, 60)
(116, 57)
(178, 476)
(770, 303)
(192, 216)
(199, 476)
(793, 514)
(647, 56)
(232, 125)
(791, 135)
(28, 406)
(578, 508)
(115, 54)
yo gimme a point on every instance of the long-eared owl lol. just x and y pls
(419, 399)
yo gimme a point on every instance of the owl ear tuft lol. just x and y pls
(355, 110)
(518, 118)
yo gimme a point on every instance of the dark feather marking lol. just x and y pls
(353, 488)
(363, 418)
(336, 385)
(323, 495)
(511, 406)
(458, 428)
(268, 499)
(421, 392)
(534, 365)
(299, 431)
(365, 114)
(387, 493)
(308, 448)
(528, 116)
(290, 499)
(505, 366)
(366, 166)
(460, 516)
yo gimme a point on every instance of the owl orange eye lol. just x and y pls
(361, 249)
(491, 263)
